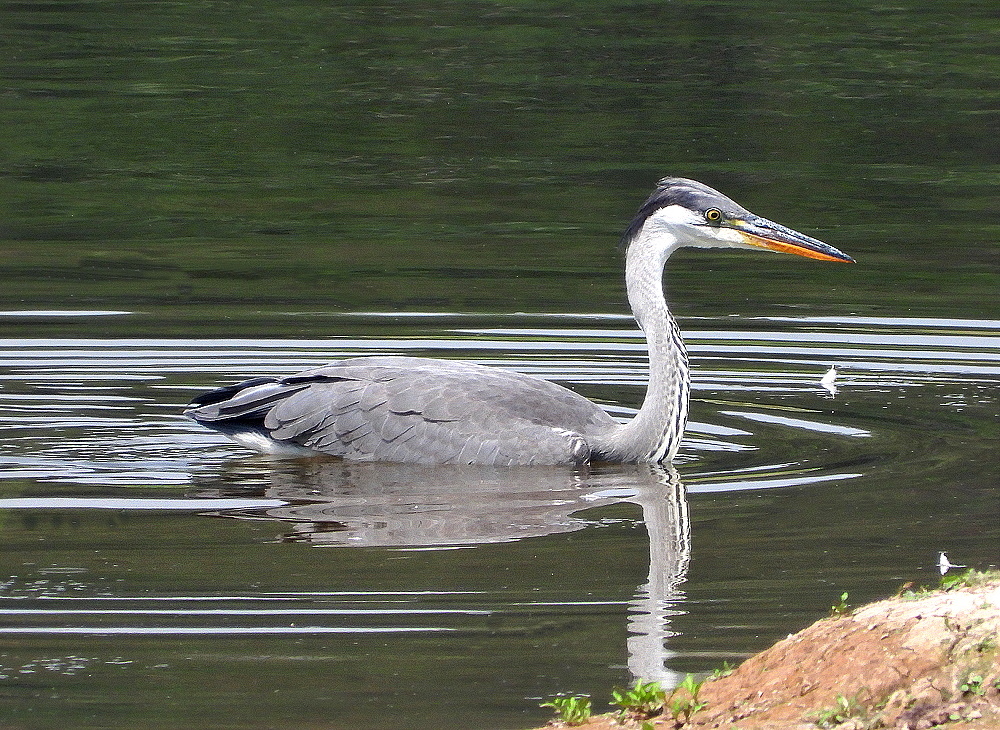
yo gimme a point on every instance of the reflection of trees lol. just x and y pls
(393, 505)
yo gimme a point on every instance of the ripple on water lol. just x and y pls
(108, 491)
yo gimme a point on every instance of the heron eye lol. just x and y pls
(713, 215)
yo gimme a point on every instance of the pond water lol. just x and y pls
(194, 194)
(344, 593)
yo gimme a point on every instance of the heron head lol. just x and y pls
(689, 213)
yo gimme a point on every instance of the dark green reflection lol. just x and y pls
(484, 156)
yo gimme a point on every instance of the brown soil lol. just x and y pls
(899, 663)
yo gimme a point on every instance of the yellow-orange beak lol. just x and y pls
(761, 232)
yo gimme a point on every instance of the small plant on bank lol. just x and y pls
(844, 709)
(973, 684)
(840, 608)
(683, 707)
(571, 709)
(724, 671)
(910, 591)
(644, 700)
(967, 578)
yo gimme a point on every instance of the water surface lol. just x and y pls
(332, 590)
(192, 194)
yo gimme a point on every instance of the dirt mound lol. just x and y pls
(919, 660)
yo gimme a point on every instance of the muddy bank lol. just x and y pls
(918, 660)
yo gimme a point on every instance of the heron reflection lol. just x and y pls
(338, 503)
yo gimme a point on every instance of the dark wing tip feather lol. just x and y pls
(226, 392)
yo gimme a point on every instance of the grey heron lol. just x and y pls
(428, 411)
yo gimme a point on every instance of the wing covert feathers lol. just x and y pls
(412, 410)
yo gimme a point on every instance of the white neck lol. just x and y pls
(655, 432)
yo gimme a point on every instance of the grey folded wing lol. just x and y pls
(412, 410)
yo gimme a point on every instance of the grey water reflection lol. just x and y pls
(336, 503)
